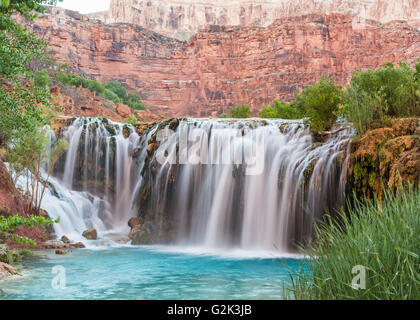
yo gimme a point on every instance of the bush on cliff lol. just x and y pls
(320, 104)
(241, 111)
(380, 236)
(116, 88)
(280, 110)
(92, 85)
(375, 96)
(111, 90)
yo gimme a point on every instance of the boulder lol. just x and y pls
(134, 222)
(61, 252)
(65, 240)
(140, 237)
(7, 270)
(90, 234)
(123, 110)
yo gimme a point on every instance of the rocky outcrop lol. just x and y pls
(81, 102)
(386, 158)
(7, 271)
(182, 19)
(123, 110)
(11, 200)
(139, 234)
(222, 66)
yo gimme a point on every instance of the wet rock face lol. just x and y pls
(386, 157)
(7, 271)
(182, 19)
(222, 66)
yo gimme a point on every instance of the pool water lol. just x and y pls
(150, 273)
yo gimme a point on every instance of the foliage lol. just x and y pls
(374, 96)
(13, 256)
(8, 226)
(241, 111)
(22, 108)
(382, 236)
(132, 120)
(42, 79)
(22, 104)
(27, 154)
(225, 116)
(280, 110)
(116, 88)
(320, 104)
(111, 90)
(134, 102)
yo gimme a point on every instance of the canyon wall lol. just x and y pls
(184, 18)
(221, 66)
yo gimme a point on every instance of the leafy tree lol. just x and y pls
(22, 108)
(22, 104)
(280, 110)
(320, 104)
(27, 155)
(241, 111)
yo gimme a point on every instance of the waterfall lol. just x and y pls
(217, 183)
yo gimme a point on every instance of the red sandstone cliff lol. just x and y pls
(182, 19)
(222, 66)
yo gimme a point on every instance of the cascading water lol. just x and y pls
(192, 183)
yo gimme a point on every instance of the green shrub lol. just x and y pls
(241, 111)
(42, 79)
(8, 226)
(320, 104)
(111, 90)
(224, 115)
(134, 102)
(374, 96)
(280, 110)
(382, 236)
(132, 120)
(116, 88)
(111, 96)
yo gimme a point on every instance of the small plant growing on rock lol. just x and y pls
(8, 226)
(132, 120)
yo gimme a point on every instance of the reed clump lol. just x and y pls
(381, 237)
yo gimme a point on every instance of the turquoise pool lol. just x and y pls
(150, 273)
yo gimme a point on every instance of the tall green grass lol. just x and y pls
(382, 236)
